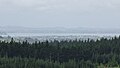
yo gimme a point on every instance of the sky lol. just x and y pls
(60, 13)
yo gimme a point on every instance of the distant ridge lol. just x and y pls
(3, 33)
(18, 29)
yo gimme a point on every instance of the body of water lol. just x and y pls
(56, 34)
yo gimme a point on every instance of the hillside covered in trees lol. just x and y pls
(61, 54)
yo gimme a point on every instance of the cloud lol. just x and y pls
(60, 12)
(67, 5)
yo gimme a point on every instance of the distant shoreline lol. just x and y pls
(60, 34)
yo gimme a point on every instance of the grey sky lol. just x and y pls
(60, 13)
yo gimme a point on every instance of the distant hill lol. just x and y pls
(18, 29)
(3, 33)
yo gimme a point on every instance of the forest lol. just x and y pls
(102, 53)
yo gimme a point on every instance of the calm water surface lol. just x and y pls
(56, 34)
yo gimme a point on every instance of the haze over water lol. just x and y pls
(56, 34)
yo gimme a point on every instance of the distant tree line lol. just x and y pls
(61, 54)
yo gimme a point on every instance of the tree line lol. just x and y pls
(64, 54)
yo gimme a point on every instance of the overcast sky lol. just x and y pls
(60, 13)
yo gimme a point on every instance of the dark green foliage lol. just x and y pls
(63, 54)
(18, 62)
